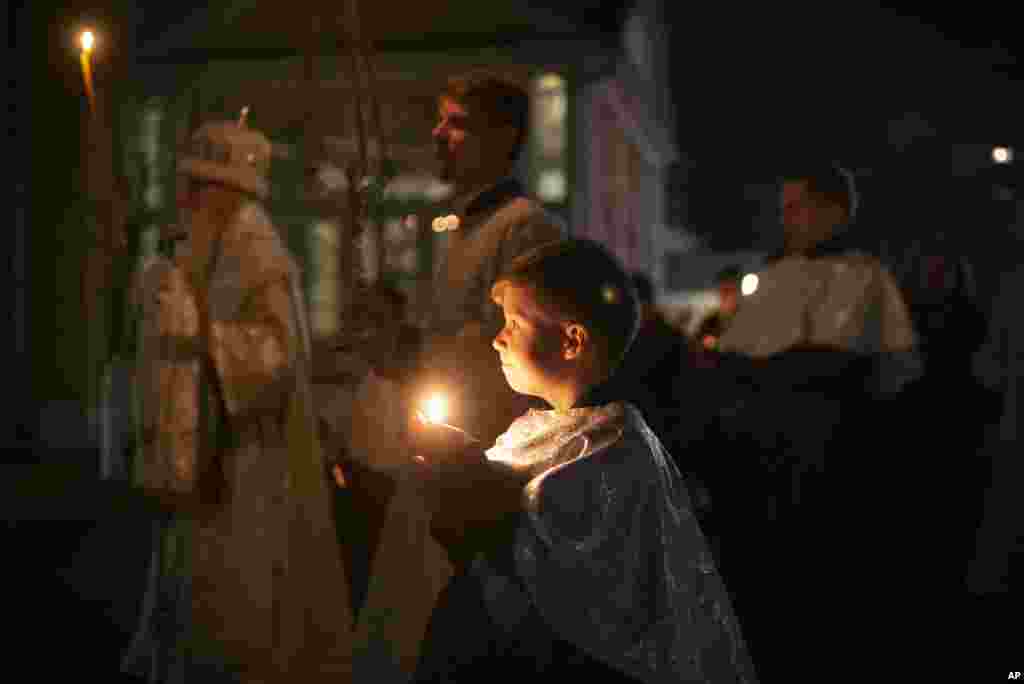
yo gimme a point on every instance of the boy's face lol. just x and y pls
(530, 345)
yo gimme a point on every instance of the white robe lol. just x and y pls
(847, 301)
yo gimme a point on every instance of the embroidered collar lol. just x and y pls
(540, 440)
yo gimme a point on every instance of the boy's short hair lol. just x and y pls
(500, 101)
(579, 280)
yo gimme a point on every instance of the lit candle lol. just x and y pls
(435, 412)
(436, 409)
(88, 41)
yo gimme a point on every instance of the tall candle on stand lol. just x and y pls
(88, 41)
(97, 260)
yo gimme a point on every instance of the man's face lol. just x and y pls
(806, 219)
(529, 345)
(467, 147)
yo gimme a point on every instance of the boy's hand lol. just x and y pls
(339, 477)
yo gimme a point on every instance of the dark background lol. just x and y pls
(771, 82)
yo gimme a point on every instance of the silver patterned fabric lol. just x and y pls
(608, 551)
(167, 380)
(246, 586)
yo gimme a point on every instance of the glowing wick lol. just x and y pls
(436, 409)
(88, 40)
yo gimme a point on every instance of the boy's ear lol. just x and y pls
(575, 341)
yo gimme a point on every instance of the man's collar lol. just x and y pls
(841, 242)
(487, 198)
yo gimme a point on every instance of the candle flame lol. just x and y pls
(749, 284)
(1002, 155)
(88, 40)
(436, 409)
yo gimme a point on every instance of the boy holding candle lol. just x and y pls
(579, 551)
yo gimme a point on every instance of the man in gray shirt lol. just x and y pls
(482, 126)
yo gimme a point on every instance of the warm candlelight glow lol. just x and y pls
(87, 40)
(436, 409)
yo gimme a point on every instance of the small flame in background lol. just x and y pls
(749, 284)
(87, 41)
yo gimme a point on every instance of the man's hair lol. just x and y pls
(500, 101)
(831, 182)
(578, 280)
(644, 287)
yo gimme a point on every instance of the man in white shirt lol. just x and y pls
(819, 294)
(826, 330)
